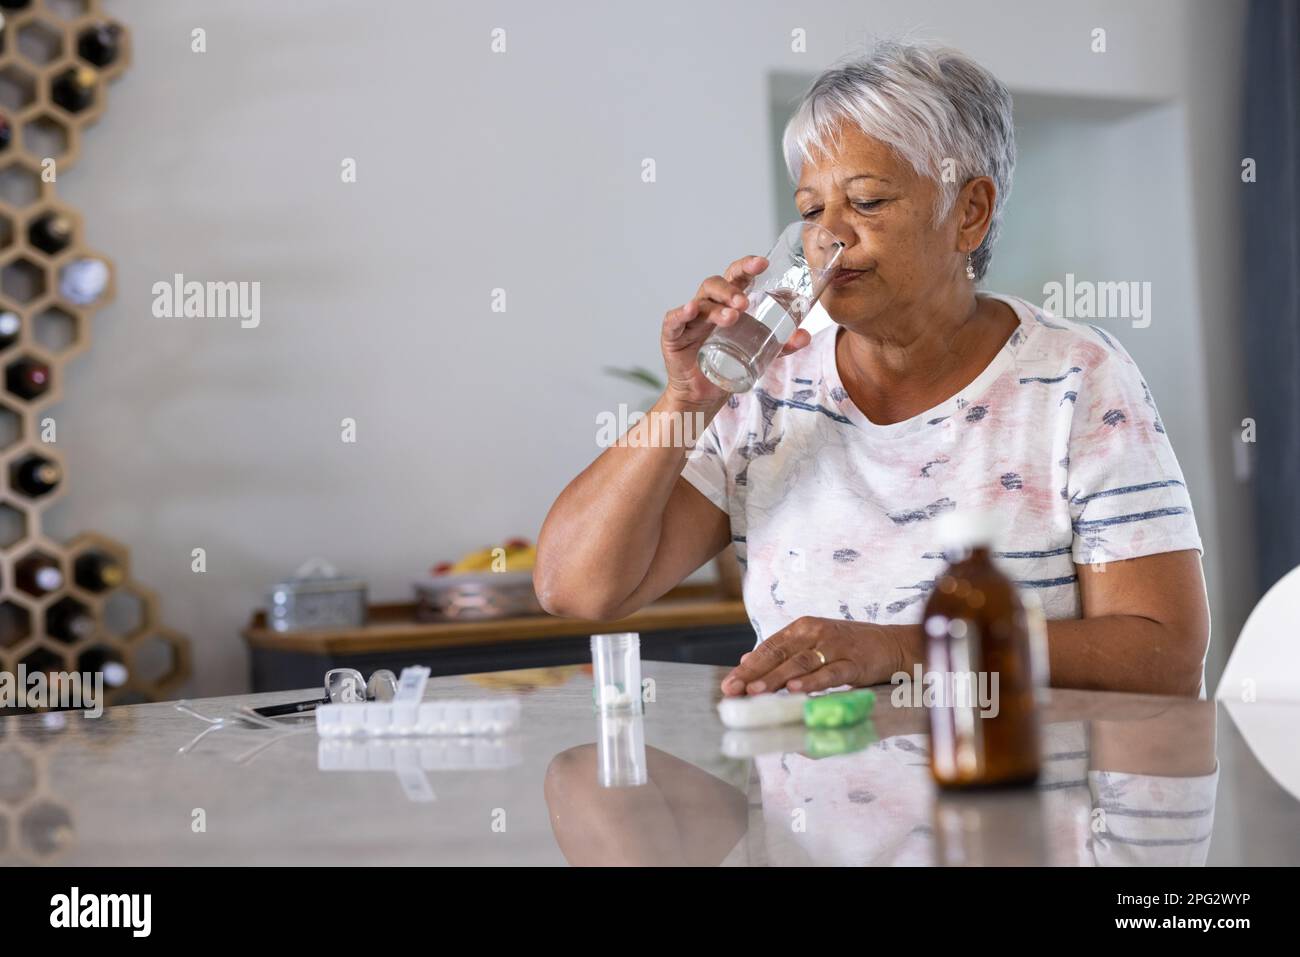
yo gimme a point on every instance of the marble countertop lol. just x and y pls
(1127, 779)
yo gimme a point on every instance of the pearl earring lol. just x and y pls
(970, 268)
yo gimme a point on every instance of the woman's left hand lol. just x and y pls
(857, 653)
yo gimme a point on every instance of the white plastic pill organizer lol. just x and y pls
(354, 753)
(449, 716)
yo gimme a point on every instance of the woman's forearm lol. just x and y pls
(1124, 653)
(1105, 653)
(602, 532)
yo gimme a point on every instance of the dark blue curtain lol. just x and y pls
(1271, 275)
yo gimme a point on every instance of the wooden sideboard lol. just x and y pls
(692, 623)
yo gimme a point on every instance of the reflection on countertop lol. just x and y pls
(1127, 780)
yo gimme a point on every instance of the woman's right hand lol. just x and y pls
(719, 301)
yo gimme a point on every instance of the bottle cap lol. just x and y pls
(48, 578)
(968, 528)
(115, 674)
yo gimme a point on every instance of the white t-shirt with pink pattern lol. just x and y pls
(832, 515)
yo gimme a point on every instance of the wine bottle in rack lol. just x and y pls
(74, 89)
(35, 475)
(15, 624)
(107, 661)
(100, 44)
(97, 572)
(6, 132)
(51, 233)
(10, 325)
(28, 378)
(83, 280)
(38, 575)
(67, 621)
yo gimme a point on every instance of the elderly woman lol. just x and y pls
(925, 395)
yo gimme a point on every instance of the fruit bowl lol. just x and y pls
(475, 596)
(492, 582)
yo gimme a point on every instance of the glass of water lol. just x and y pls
(799, 268)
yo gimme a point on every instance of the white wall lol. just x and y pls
(479, 171)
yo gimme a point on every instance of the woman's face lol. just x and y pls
(875, 203)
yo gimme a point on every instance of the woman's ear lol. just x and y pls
(975, 211)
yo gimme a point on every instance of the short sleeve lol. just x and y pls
(1126, 492)
(706, 466)
(1147, 821)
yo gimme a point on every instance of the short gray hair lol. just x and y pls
(929, 103)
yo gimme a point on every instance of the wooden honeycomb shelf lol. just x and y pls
(36, 825)
(41, 44)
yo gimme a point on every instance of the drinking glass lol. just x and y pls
(800, 266)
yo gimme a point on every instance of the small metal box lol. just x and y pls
(316, 598)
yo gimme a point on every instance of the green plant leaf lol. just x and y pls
(637, 374)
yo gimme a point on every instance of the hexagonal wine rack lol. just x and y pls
(35, 825)
(69, 606)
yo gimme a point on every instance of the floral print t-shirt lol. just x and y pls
(833, 515)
